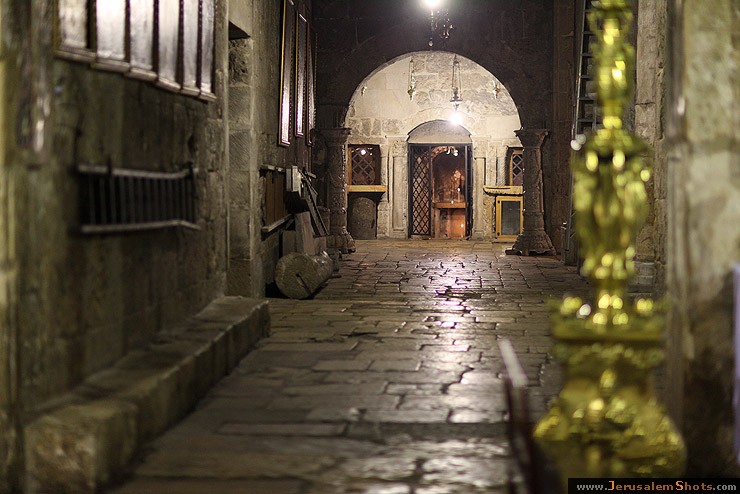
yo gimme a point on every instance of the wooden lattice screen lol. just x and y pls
(364, 164)
(421, 190)
(515, 164)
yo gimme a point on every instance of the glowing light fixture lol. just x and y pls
(412, 79)
(456, 117)
(456, 89)
(439, 21)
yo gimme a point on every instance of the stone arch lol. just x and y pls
(380, 105)
(436, 131)
(521, 60)
(382, 113)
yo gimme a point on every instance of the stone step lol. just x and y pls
(85, 439)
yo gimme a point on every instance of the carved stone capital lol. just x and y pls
(337, 136)
(531, 138)
(399, 148)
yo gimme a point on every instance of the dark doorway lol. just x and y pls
(440, 191)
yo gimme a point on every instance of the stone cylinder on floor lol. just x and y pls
(299, 275)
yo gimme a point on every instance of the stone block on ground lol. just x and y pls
(300, 276)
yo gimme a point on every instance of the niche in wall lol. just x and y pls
(364, 164)
(364, 190)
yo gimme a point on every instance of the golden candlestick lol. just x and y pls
(606, 421)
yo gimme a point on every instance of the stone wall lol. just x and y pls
(513, 40)
(10, 448)
(253, 142)
(556, 178)
(650, 94)
(703, 244)
(382, 112)
(86, 300)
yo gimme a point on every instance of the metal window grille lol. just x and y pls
(516, 166)
(421, 190)
(119, 200)
(364, 163)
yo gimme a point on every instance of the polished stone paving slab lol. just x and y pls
(387, 381)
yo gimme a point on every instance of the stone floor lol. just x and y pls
(388, 381)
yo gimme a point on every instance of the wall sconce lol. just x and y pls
(412, 80)
(456, 86)
(439, 21)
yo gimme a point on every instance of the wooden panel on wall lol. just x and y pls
(273, 198)
(110, 35)
(286, 76)
(72, 35)
(168, 43)
(141, 39)
(207, 47)
(190, 46)
(301, 67)
(311, 85)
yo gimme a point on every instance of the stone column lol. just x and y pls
(534, 239)
(383, 206)
(479, 170)
(336, 171)
(399, 201)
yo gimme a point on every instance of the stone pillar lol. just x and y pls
(384, 206)
(534, 239)
(399, 202)
(336, 171)
(479, 172)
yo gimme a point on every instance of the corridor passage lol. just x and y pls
(387, 382)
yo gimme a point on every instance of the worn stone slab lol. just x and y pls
(232, 465)
(284, 429)
(86, 440)
(340, 401)
(364, 390)
(197, 486)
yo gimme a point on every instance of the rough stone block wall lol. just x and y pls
(254, 89)
(86, 300)
(512, 40)
(650, 93)
(704, 239)
(556, 178)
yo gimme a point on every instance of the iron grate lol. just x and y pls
(517, 167)
(118, 200)
(364, 165)
(421, 187)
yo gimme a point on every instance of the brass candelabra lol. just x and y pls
(606, 421)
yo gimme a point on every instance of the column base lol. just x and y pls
(343, 242)
(532, 243)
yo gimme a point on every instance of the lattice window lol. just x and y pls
(364, 164)
(421, 189)
(515, 164)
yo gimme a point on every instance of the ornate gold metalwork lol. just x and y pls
(606, 421)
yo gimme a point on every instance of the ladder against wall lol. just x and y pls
(585, 118)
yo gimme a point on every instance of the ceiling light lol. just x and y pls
(433, 4)
(439, 21)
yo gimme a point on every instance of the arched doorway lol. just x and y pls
(407, 101)
(440, 178)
